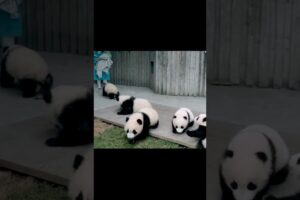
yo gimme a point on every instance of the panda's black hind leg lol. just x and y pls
(28, 87)
(111, 96)
(6, 80)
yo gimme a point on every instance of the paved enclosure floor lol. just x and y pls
(166, 106)
(24, 127)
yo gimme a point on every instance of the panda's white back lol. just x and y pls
(123, 98)
(182, 111)
(141, 103)
(110, 88)
(83, 179)
(25, 63)
(152, 114)
(62, 95)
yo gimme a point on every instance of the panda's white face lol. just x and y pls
(245, 176)
(180, 121)
(201, 119)
(134, 125)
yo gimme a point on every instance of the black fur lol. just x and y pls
(6, 79)
(80, 196)
(298, 161)
(76, 123)
(110, 95)
(199, 133)
(294, 197)
(28, 87)
(228, 154)
(262, 156)
(186, 128)
(155, 125)
(78, 161)
(127, 107)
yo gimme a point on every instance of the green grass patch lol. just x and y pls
(115, 138)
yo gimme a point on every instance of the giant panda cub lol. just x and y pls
(25, 68)
(199, 129)
(111, 91)
(138, 124)
(182, 120)
(255, 159)
(130, 104)
(290, 188)
(71, 111)
(81, 185)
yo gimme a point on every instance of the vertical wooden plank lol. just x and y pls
(48, 27)
(55, 23)
(65, 26)
(40, 24)
(73, 26)
(82, 26)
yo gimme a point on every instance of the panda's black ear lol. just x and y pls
(127, 118)
(174, 116)
(139, 122)
(298, 161)
(77, 161)
(185, 117)
(262, 156)
(228, 154)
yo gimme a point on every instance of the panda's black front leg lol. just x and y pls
(6, 80)
(104, 93)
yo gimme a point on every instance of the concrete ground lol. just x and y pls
(232, 108)
(198, 104)
(24, 127)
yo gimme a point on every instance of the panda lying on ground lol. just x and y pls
(111, 91)
(199, 129)
(138, 124)
(289, 189)
(130, 104)
(25, 68)
(71, 111)
(254, 160)
(182, 120)
(81, 186)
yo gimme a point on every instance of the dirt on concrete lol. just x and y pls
(100, 126)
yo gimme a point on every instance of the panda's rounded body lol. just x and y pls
(256, 158)
(199, 129)
(290, 188)
(81, 185)
(26, 68)
(130, 104)
(138, 124)
(111, 91)
(182, 120)
(71, 112)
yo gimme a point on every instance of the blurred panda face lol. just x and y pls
(134, 126)
(201, 119)
(180, 121)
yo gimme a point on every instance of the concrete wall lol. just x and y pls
(254, 42)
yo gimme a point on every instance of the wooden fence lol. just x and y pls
(254, 42)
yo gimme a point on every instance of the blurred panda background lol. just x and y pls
(253, 78)
(39, 37)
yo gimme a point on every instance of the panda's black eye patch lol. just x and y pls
(134, 132)
(234, 185)
(174, 116)
(127, 130)
(176, 126)
(197, 118)
(251, 186)
(139, 122)
(127, 118)
(185, 117)
(228, 154)
(181, 127)
(204, 119)
(298, 162)
(262, 156)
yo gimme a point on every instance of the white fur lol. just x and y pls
(179, 121)
(83, 178)
(25, 63)
(132, 124)
(291, 185)
(138, 104)
(111, 88)
(123, 98)
(63, 95)
(245, 166)
(152, 114)
(204, 143)
(198, 121)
